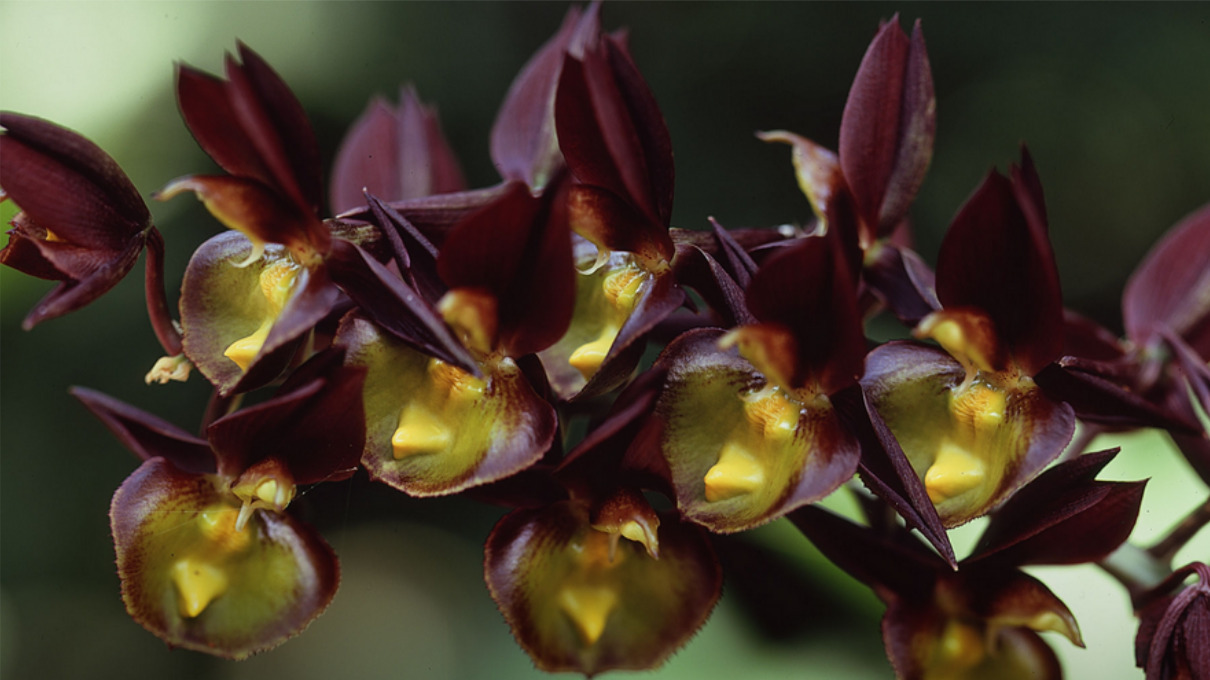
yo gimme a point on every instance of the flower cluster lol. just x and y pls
(442, 339)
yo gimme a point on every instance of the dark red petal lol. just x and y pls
(395, 154)
(72, 295)
(278, 127)
(415, 255)
(395, 306)
(895, 567)
(519, 249)
(523, 142)
(1099, 400)
(634, 611)
(148, 436)
(211, 118)
(997, 257)
(69, 185)
(316, 428)
(24, 250)
(1171, 286)
(695, 268)
(886, 134)
(259, 586)
(1064, 516)
(904, 282)
(808, 288)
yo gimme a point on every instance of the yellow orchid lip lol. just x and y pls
(277, 282)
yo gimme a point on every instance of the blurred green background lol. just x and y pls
(1111, 98)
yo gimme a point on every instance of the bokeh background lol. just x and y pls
(1112, 99)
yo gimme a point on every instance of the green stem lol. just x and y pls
(1166, 548)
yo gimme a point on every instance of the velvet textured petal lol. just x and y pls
(316, 429)
(432, 429)
(68, 185)
(759, 454)
(886, 133)
(1171, 286)
(574, 604)
(189, 576)
(524, 146)
(518, 249)
(972, 442)
(229, 313)
(997, 257)
(808, 289)
(1174, 625)
(395, 154)
(1064, 516)
(149, 436)
(105, 270)
(395, 306)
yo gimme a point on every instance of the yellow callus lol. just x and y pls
(200, 576)
(620, 293)
(426, 424)
(587, 358)
(276, 281)
(954, 471)
(770, 419)
(588, 607)
(197, 584)
(737, 472)
(419, 432)
(958, 650)
(961, 464)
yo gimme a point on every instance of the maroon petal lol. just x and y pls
(580, 600)
(808, 289)
(695, 268)
(395, 154)
(316, 428)
(1101, 401)
(904, 282)
(1173, 629)
(523, 142)
(997, 257)
(1169, 288)
(71, 295)
(196, 581)
(148, 436)
(886, 134)
(616, 142)
(518, 249)
(394, 306)
(1064, 516)
(68, 185)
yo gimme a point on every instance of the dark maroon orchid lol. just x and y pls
(969, 417)
(774, 439)
(82, 222)
(1171, 644)
(886, 145)
(208, 557)
(982, 621)
(394, 153)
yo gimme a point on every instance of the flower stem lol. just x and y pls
(157, 302)
(1166, 548)
(1135, 568)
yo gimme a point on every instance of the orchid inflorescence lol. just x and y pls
(442, 339)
